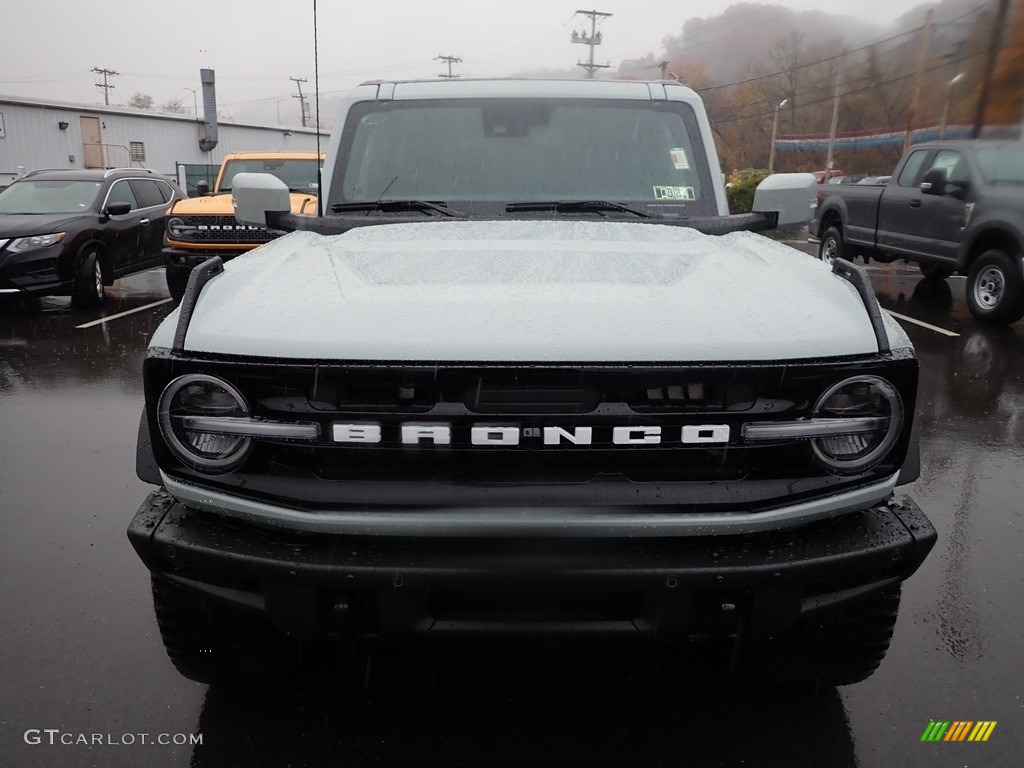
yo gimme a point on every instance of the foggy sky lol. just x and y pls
(50, 46)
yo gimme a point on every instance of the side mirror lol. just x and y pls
(203, 187)
(117, 209)
(957, 189)
(934, 182)
(791, 196)
(254, 195)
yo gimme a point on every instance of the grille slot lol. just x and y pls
(226, 229)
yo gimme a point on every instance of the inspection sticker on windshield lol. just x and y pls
(673, 193)
(679, 159)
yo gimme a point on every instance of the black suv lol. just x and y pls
(71, 232)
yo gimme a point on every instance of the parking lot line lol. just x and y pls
(122, 314)
(923, 324)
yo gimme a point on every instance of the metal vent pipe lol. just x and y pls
(208, 130)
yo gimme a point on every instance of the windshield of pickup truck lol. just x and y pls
(299, 175)
(1002, 165)
(483, 153)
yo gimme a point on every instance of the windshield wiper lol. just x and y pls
(398, 205)
(577, 206)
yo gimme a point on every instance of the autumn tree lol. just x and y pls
(1007, 96)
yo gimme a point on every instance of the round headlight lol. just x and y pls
(875, 411)
(201, 395)
(176, 227)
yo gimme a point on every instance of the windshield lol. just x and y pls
(1002, 165)
(49, 196)
(492, 152)
(299, 175)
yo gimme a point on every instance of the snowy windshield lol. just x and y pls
(490, 151)
(49, 196)
(1002, 165)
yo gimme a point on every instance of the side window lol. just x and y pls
(913, 169)
(147, 192)
(952, 162)
(120, 192)
(165, 191)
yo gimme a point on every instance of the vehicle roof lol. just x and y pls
(94, 174)
(512, 87)
(273, 156)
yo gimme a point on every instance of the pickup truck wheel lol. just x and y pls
(831, 246)
(839, 646)
(995, 290)
(177, 279)
(88, 289)
(935, 271)
(212, 642)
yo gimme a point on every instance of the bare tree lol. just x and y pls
(174, 107)
(140, 100)
(786, 57)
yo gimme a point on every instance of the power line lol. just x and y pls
(105, 87)
(850, 92)
(302, 99)
(591, 40)
(450, 60)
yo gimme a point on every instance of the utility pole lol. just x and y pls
(106, 86)
(915, 94)
(451, 60)
(990, 67)
(775, 129)
(302, 99)
(664, 68)
(835, 123)
(581, 38)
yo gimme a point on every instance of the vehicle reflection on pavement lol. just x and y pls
(502, 709)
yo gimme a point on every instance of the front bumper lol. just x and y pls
(188, 259)
(35, 272)
(686, 587)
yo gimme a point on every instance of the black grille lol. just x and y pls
(215, 229)
(723, 474)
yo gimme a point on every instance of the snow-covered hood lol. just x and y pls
(544, 291)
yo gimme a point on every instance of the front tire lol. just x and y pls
(839, 646)
(88, 289)
(995, 289)
(213, 642)
(831, 246)
(935, 271)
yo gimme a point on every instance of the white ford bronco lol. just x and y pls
(526, 375)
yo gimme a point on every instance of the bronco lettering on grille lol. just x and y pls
(440, 433)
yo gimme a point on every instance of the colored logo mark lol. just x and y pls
(958, 730)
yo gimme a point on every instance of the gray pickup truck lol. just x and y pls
(951, 207)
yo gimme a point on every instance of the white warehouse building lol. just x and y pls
(38, 134)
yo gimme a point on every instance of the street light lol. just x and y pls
(945, 109)
(775, 128)
(195, 103)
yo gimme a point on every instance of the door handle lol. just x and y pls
(144, 221)
(915, 203)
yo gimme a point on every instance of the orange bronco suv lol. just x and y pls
(205, 226)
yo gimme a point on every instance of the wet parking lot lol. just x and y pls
(81, 657)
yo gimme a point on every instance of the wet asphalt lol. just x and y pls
(81, 658)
